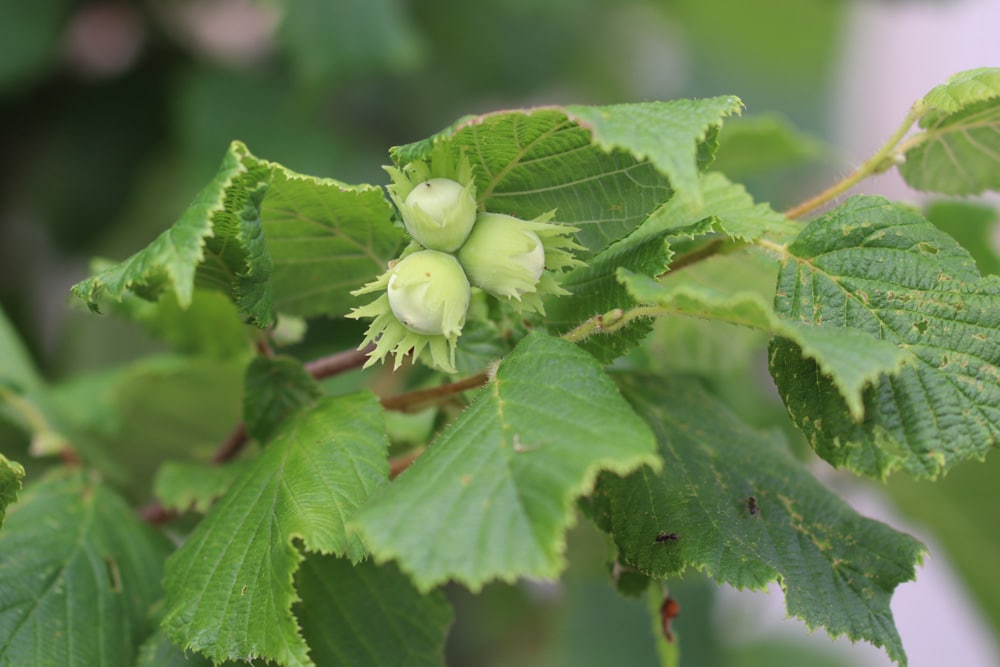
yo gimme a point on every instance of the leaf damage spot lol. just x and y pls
(114, 575)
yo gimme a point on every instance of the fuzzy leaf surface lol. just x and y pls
(837, 568)
(11, 474)
(325, 239)
(727, 207)
(229, 588)
(493, 495)
(603, 169)
(219, 238)
(853, 358)
(80, 574)
(960, 91)
(275, 388)
(958, 151)
(368, 614)
(183, 485)
(595, 289)
(730, 206)
(884, 269)
(270, 238)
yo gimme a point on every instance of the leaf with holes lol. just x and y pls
(733, 502)
(229, 591)
(873, 266)
(493, 495)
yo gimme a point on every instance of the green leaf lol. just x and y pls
(973, 225)
(11, 474)
(837, 568)
(595, 288)
(960, 91)
(711, 348)
(665, 133)
(276, 387)
(872, 266)
(958, 151)
(80, 574)
(219, 237)
(183, 486)
(750, 145)
(22, 392)
(853, 358)
(603, 169)
(325, 238)
(732, 208)
(229, 590)
(17, 369)
(493, 495)
(365, 614)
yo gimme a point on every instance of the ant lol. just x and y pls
(667, 537)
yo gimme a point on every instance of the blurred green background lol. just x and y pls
(113, 114)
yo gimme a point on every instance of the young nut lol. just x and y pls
(429, 293)
(503, 256)
(439, 213)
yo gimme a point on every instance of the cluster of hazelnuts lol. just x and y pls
(456, 247)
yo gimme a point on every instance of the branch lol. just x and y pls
(338, 363)
(415, 401)
(877, 163)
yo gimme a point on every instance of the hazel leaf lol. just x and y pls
(229, 587)
(494, 494)
(881, 268)
(732, 502)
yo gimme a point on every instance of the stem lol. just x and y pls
(415, 401)
(400, 463)
(231, 446)
(156, 514)
(609, 322)
(713, 247)
(870, 166)
(338, 363)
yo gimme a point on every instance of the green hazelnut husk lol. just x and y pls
(421, 310)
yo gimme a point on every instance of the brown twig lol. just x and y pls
(415, 401)
(156, 514)
(231, 446)
(340, 362)
(400, 463)
(709, 249)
